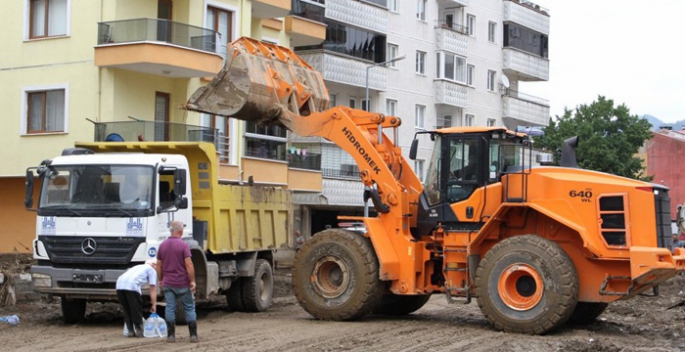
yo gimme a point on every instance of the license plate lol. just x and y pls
(92, 278)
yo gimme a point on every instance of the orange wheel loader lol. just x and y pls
(536, 246)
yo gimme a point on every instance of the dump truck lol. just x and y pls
(104, 207)
(535, 246)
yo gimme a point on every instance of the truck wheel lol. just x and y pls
(526, 284)
(335, 276)
(234, 296)
(73, 310)
(401, 305)
(258, 289)
(586, 312)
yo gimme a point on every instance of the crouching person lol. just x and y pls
(177, 275)
(131, 297)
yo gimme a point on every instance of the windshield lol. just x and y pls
(116, 190)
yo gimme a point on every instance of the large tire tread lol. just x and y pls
(373, 288)
(252, 293)
(234, 296)
(568, 281)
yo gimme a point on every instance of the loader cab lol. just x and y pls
(464, 160)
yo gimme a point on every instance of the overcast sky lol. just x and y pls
(630, 51)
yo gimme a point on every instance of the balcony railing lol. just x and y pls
(337, 173)
(453, 26)
(306, 161)
(157, 30)
(152, 131)
(308, 10)
(525, 108)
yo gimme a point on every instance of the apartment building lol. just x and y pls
(83, 70)
(434, 63)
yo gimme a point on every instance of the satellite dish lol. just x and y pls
(505, 80)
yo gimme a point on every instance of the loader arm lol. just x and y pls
(269, 84)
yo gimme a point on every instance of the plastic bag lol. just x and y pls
(155, 326)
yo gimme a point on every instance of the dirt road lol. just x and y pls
(641, 324)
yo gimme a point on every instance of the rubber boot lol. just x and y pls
(138, 330)
(171, 331)
(192, 327)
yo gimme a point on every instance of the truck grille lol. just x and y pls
(108, 250)
(662, 204)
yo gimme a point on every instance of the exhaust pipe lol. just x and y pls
(568, 152)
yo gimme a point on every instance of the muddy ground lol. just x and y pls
(640, 324)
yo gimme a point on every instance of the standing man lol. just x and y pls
(177, 276)
(131, 297)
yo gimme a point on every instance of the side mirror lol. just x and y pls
(180, 182)
(28, 200)
(414, 147)
(181, 203)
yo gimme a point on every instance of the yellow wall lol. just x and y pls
(19, 224)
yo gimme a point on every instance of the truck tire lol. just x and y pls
(234, 296)
(526, 284)
(335, 276)
(73, 310)
(258, 289)
(586, 312)
(401, 305)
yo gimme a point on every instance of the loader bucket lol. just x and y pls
(259, 83)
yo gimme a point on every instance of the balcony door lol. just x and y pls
(221, 125)
(162, 118)
(164, 16)
(221, 21)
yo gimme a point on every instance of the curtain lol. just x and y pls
(38, 19)
(35, 111)
(57, 17)
(54, 111)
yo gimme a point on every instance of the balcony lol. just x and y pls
(151, 131)
(527, 14)
(458, 3)
(305, 23)
(523, 109)
(345, 70)
(452, 37)
(270, 8)
(523, 66)
(158, 47)
(358, 14)
(450, 93)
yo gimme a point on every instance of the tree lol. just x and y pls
(609, 137)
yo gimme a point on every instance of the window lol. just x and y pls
(221, 21)
(391, 107)
(491, 122)
(222, 139)
(491, 80)
(266, 142)
(393, 50)
(418, 169)
(421, 9)
(444, 121)
(525, 39)
(48, 18)
(334, 100)
(471, 25)
(470, 72)
(162, 116)
(46, 110)
(421, 62)
(469, 120)
(392, 5)
(353, 103)
(450, 66)
(419, 116)
(366, 104)
(492, 28)
(352, 41)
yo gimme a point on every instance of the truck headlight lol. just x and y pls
(41, 280)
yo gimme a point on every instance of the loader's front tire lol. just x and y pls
(392, 304)
(586, 312)
(335, 276)
(527, 284)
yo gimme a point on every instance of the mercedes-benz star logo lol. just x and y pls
(88, 246)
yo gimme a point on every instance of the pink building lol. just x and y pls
(664, 152)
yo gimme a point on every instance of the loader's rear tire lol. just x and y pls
(258, 289)
(586, 312)
(73, 310)
(335, 276)
(234, 296)
(401, 305)
(527, 284)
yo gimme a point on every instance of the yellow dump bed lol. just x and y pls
(239, 218)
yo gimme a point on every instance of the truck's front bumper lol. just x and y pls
(76, 283)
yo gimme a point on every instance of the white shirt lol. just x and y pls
(133, 278)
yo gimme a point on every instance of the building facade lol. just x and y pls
(660, 151)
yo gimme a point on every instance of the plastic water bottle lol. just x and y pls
(10, 319)
(161, 327)
(150, 329)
